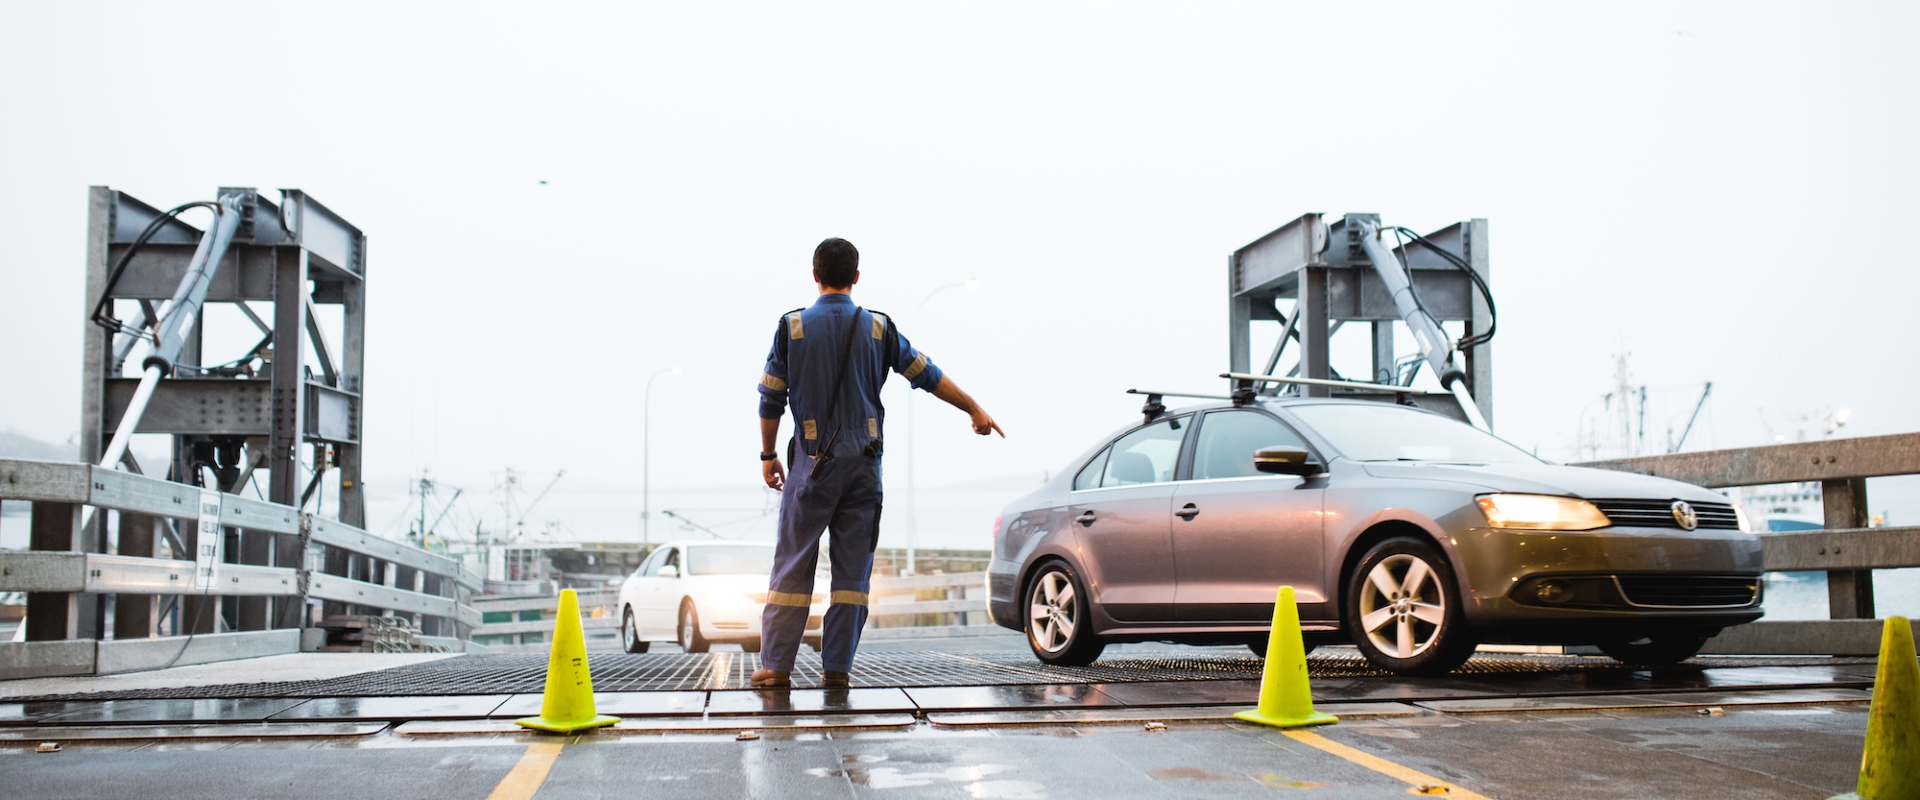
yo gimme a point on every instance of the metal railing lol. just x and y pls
(296, 557)
(928, 606)
(1846, 549)
(531, 621)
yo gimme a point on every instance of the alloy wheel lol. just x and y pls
(1051, 612)
(686, 627)
(1402, 605)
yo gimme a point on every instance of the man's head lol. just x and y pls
(836, 265)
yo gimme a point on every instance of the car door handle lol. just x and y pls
(1085, 519)
(1188, 512)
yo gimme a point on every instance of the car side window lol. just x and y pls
(1089, 477)
(1229, 438)
(1147, 455)
(672, 560)
(653, 562)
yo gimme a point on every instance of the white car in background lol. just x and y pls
(698, 594)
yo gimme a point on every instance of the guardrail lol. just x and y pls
(936, 606)
(247, 600)
(1847, 550)
(530, 620)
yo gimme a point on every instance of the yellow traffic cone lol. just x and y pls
(1285, 701)
(568, 704)
(1890, 767)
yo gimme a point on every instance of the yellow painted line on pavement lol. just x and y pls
(1418, 779)
(526, 777)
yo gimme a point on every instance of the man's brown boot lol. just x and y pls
(831, 679)
(771, 679)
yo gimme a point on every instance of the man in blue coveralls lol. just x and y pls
(828, 362)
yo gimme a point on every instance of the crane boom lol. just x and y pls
(538, 498)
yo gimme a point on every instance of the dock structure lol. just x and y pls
(231, 614)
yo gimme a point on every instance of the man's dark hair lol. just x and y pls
(835, 261)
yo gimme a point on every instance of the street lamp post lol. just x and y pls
(646, 457)
(913, 519)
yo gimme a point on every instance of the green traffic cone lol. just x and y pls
(1890, 766)
(568, 703)
(1285, 700)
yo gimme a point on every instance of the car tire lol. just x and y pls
(689, 632)
(1655, 650)
(750, 646)
(630, 635)
(814, 644)
(1402, 608)
(1059, 627)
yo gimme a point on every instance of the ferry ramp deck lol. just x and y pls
(933, 719)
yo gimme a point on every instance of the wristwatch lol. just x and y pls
(768, 456)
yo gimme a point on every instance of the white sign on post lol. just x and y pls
(206, 556)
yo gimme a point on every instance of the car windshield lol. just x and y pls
(729, 559)
(1391, 433)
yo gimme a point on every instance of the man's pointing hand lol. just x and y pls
(983, 424)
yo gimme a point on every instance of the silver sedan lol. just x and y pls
(1413, 536)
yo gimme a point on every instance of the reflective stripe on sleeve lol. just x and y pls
(846, 598)
(918, 366)
(794, 599)
(794, 330)
(767, 380)
(812, 431)
(873, 427)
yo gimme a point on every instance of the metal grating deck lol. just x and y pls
(620, 672)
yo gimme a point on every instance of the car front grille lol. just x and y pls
(1694, 591)
(1659, 514)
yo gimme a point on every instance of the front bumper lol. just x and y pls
(741, 622)
(1610, 575)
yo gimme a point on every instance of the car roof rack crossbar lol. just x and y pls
(1379, 387)
(1155, 408)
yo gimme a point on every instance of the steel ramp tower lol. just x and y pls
(273, 419)
(1325, 270)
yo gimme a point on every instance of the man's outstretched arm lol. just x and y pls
(958, 398)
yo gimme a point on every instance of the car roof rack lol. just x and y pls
(1155, 408)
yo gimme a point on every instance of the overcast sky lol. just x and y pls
(563, 199)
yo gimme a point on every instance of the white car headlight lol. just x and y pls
(1541, 512)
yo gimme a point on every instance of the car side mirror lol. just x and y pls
(1284, 461)
(669, 571)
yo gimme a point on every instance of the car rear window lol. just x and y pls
(1369, 432)
(729, 559)
(1146, 455)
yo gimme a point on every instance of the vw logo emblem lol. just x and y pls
(1684, 516)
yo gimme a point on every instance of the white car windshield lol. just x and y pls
(1391, 433)
(729, 559)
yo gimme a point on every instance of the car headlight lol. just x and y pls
(1541, 512)
(1741, 517)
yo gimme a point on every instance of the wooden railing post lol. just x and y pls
(133, 613)
(53, 616)
(1849, 592)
